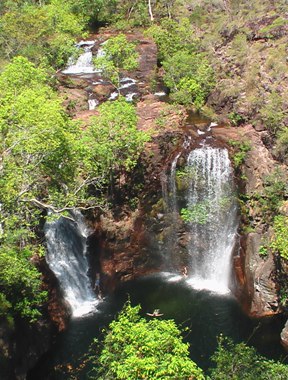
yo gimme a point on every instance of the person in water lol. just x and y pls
(185, 272)
(156, 313)
(97, 288)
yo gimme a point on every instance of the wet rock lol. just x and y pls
(21, 346)
(102, 91)
(284, 336)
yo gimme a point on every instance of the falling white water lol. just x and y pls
(92, 104)
(129, 97)
(66, 257)
(213, 219)
(126, 82)
(84, 63)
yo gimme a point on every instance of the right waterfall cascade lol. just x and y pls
(211, 216)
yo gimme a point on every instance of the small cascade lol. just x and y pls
(213, 219)
(66, 257)
(172, 186)
(92, 104)
(84, 63)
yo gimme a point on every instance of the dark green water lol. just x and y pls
(206, 314)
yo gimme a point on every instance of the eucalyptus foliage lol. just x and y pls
(241, 362)
(135, 348)
(119, 54)
(114, 135)
(43, 32)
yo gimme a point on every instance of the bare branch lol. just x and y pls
(46, 206)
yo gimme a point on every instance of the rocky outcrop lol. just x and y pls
(284, 336)
(125, 244)
(21, 346)
(260, 273)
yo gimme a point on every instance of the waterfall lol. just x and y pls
(66, 257)
(169, 188)
(213, 221)
(171, 214)
(84, 63)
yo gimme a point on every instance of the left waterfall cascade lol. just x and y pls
(67, 258)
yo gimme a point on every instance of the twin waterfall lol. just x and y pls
(211, 226)
(210, 211)
(66, 257)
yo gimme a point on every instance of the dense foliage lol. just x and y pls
(44, 33)
(241, 362)
(49, 162)
(135, 348)
(187, 72)
(20, 284)
(118, 54)
(114, 137)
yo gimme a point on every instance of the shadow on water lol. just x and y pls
(206, 314)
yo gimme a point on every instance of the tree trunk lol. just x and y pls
(150, 11)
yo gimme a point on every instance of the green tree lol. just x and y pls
(21, 291)
(172, 37)
(40, 33)
(135, 348)
(38, 142)
(114, 139)
(119, 54)
(189, 76)
(241, 362)
(279, 243)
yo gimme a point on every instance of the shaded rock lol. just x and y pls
(284, 336)
(103, 90)
(261, 287)
(74, 99)
(259, 127)
(21, 347)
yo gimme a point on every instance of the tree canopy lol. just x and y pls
(241, 362)
(135, 348)
(118, 54)
(49, 162)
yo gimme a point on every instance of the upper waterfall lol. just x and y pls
(66, 257)
(84, 63)
(212, 209)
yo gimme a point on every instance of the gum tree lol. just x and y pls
(135, 348)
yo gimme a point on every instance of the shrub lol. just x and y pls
(241, 362)
(135, 348)
(241, 150)
(279, 241)
(189, 76)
